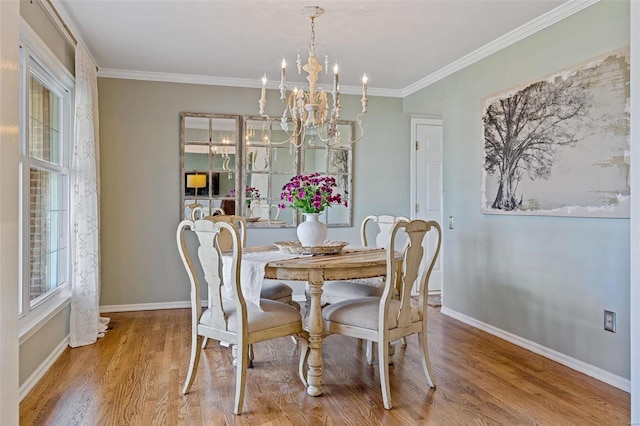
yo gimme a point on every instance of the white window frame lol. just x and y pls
(36, 56)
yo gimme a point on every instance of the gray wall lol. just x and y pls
(34, 350)
(140, 177)
(41, 344)
(545, 279)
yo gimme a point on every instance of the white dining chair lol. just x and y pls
(265, 211)
(385, 319)
(234, 320)
(271, 289)
(196, 211)
(338, 291)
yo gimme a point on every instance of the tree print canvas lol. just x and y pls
(560, 146)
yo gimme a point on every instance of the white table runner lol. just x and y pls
(251, 272)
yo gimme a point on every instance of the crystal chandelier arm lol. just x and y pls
(358, 120)
(293, 136)
(290, 113)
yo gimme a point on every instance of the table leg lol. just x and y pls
(315, 329)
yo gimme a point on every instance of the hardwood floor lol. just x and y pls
(134, 375)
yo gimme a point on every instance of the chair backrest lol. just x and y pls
(225, 242)
(197, 211)
(385, 224)
(409, 273)
(264, 211)
(210, 257)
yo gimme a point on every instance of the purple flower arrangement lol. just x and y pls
(310, 193)
(249, 194)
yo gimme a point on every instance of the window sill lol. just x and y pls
(40, 316)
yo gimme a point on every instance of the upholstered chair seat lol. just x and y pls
(271, 314)
(337, 291)
(363, 313)
(279, 291)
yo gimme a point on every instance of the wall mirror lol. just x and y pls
(210, 159)
(335, 161)
(269, 164)
(239, 165)
(268, 167)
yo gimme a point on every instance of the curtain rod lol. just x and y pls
(53, 12)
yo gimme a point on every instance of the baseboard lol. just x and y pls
(147, 306)
(164, 305)
(35, 377)
(575, 364)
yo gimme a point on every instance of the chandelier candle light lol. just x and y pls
(308, 109)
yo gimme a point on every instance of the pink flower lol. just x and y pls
(310, 193)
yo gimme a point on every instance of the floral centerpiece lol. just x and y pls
(310, 195)
(250, 193)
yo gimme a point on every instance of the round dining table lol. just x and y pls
(351, 263)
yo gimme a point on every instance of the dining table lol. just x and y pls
(351, 263)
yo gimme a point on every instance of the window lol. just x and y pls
(46, 134)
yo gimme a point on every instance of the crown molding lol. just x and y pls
(559, 13)
(227, 81)
(373, 91)
(177, 78)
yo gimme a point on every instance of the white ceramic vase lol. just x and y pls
(312, 232)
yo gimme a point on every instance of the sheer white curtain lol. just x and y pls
(86, 325)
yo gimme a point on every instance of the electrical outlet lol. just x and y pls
(610, 321)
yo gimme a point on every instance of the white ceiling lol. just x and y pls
(399, 44)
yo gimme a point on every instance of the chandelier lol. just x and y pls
(308, 108)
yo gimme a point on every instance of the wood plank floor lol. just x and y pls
(134, 375)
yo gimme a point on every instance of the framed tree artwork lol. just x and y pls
(560, 146)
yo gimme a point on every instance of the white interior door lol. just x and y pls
(426, 184)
